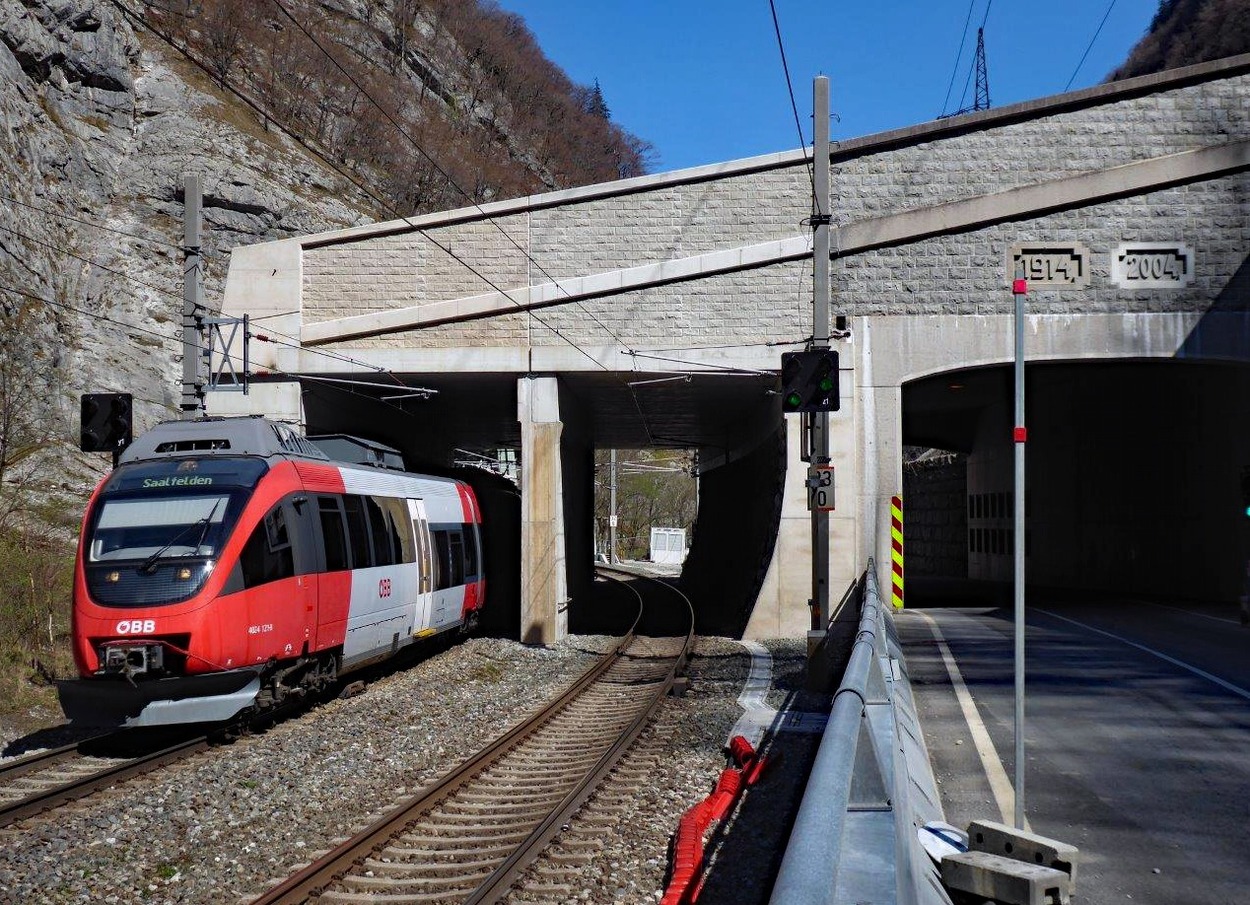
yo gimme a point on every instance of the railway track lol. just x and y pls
(49, 779)
(468, 837)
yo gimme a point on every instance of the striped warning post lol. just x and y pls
(896, 550)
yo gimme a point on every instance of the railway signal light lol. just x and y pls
(106, 424)
(809, 381)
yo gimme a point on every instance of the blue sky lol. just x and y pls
(703, 81)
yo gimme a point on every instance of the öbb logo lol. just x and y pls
(384, 587)
(136, 627)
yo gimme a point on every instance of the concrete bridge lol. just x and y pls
(545, 324)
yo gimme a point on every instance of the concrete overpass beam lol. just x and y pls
(544, 582)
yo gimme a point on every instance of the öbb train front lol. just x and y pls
(228, 565)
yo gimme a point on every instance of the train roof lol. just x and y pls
(242, 436)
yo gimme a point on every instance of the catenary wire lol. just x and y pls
(973, 67)
(963, 39)
(99, 226)
(192, 58)
(104, 267)
(137, 329)
(385, 205)
(441, 171)
(794, 107)
(1090, 46)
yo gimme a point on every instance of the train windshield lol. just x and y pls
(170, 508)
(160, 526)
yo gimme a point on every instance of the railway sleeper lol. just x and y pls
(449, 817)
(499, 852)
(373, 898)
(544, 893)
(424, 868)
(438, 833)
(493, 798)
(466, 881)
(538, 804)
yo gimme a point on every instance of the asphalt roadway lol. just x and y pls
(1137, 737)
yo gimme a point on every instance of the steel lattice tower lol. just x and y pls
(982, 101)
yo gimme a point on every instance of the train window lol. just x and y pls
(401, 528)
(442, 553)
(333, 532)
(267, 555)
(381, 530)
(457, 557)
(357, 532)
(470, 551)
(449, 545)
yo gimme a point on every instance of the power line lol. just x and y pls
(973, 68)
(199, 348)
(302, 141)
(92, 314)
(77, 257)
(794, 107)
(451, 181)
(958, 56)
(442, 172)
(1089, 47)
(385, 204)
(99, 226)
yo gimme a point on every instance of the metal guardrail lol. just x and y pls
(871, 787)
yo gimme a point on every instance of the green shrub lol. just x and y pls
(36, 575)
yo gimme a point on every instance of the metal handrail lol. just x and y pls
(809, 866)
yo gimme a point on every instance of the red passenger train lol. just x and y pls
(229, 564)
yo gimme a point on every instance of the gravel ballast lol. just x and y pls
(226, 824)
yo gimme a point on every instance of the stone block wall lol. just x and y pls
(935, 517)
(671, 216)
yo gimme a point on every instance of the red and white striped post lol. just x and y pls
(1019, 436)
(896, 550)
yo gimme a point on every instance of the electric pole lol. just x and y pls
(982, 100)
(820, 338)
(612, 514)
(192, 302)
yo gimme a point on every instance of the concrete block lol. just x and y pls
(1005, 880)
(1001, 839)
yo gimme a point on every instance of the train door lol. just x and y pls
(425, 565)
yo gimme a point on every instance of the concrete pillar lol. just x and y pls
(577, 467)
(544, 588)
(880, 441)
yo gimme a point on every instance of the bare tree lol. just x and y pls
(227, 26)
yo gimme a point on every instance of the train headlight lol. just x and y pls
(184, 574)
(113, 577)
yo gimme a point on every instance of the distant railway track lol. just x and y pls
(49, 779)
(470, 835)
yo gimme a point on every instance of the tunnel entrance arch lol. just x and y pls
(1134, 471)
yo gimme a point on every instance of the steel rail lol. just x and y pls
(63, 794)
(316, 877)
(810, 863)
(497, 885)
(40, 760)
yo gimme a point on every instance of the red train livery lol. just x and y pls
(228, 564)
